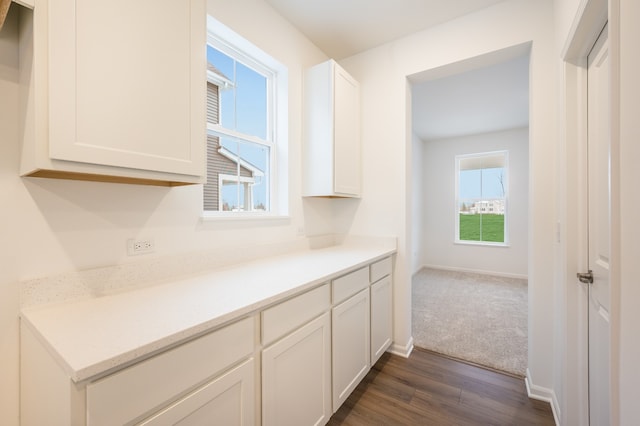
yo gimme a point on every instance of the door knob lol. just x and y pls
(586, 277)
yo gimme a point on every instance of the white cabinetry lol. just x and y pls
(166, 386)
(296, 369)
(115, 91)
(381, 308)
(296, 356)
(227, 400)
(350, 334)
(332, 164)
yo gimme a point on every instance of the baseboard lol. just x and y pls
(543, 394)
(474, 271)
(403, 351)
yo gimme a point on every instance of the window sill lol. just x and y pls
(481, 243)
(243, 217)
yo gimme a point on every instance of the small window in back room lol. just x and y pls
(481, 198)
(246, 93)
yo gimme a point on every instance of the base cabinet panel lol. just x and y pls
(296, 371)
(381, 317)
(227, 400)
(351, 349)
(144, 387)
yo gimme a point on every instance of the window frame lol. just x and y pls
(505, 198)
(232, 44)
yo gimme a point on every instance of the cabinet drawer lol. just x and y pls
(150, 384)
(289, 315)
(226, 400)
(350, 284)
(380, 269)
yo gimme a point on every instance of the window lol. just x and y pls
(481, 198)
(246, 128)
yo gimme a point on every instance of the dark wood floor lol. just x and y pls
(429, 389)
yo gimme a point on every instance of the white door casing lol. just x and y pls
(599, 228)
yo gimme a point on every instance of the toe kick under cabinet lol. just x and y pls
(289, 362)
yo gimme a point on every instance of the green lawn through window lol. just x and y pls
(492, 227)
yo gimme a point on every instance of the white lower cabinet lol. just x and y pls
(310, 353)
(227, 400)
(296, 377)
(381, 317)
(212, 376)
(143, 388)
(351, 349)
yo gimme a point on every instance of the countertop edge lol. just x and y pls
(80, 372)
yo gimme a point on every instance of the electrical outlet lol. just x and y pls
(135, 247)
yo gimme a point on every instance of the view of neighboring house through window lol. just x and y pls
(481, 198)
(241, 130)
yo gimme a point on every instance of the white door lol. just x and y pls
(599, 219)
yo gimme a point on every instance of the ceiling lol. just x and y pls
(487, 99)
(342, 28)
(484, 99)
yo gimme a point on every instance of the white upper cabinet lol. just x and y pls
(117, 89)
(332, 164)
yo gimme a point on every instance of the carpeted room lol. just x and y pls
(470, 298)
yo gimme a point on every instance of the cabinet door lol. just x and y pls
(297, 375)
(381, 317)
(127, 83)
(227, 400)
(351, 350)
(347, 134)
(132, 392)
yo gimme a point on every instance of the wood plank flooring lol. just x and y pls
(430, 389)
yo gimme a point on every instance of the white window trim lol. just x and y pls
(227, 41)
(456, 237)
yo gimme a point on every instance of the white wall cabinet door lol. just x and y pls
(226, 400)
(296, 374)
(381, 317)
(127, 83)
(332, 158)
(351, 345)
(346, 134)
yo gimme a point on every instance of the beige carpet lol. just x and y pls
(473, 317)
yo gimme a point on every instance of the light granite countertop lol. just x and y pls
(94, 336)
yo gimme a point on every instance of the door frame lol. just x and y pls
(587, 25)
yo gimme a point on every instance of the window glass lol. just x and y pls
(241, 129)
(481, 204)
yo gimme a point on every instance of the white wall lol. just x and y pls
(386, 205)
(438, 205)
(10, 226)
(53, 226)
(626, 343)
(418, 214)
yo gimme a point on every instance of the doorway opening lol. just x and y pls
(469, 297)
